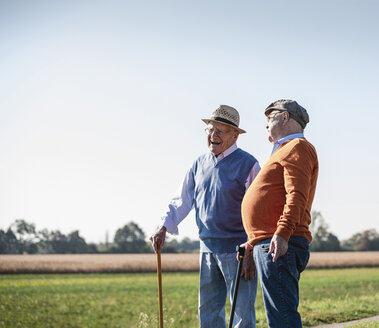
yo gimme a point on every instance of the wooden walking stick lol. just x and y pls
(159, 273)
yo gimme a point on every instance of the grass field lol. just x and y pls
(130, 300)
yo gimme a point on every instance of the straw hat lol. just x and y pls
(226, 115)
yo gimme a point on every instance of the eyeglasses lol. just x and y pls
(220, 133)
(272, 115)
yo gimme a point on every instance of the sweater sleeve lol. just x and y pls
(298, 167)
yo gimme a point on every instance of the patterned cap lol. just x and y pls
(298, 113)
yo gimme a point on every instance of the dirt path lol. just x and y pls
(350, 323)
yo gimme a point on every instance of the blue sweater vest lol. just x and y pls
(219, 189)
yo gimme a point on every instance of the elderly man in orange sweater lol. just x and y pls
(276, 212)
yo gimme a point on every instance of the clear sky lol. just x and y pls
(101, 101)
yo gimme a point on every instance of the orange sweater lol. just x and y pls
(280, 198)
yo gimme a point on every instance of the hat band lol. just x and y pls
(223, 120)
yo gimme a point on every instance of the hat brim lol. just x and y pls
(268, 110)
(206, 121)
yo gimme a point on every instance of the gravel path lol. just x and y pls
(350, 323)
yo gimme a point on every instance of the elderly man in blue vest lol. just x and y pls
(215, 186)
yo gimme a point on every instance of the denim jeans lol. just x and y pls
(217, 275)
(280, 280)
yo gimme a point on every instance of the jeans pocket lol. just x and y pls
(264, 249)
(302, 258)
(301, 248)
(264, 245)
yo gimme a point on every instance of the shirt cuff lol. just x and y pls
(171, 227)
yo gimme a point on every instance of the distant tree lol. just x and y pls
(26, 236)
(55, 242)
(23, 229)
(130, 239)
(9, 243)
(375, 241)
(322, 239)
(76, 244)
(93, 248)
(170, 246)
(3, 242)
(44, 246)
(187, 245)
(367, 240)
(58, 242)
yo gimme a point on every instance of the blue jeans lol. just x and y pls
(280, 280)
(217, 275)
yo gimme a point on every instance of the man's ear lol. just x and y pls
(286, 118)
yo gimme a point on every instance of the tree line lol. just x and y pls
(326, 241)
(22, 237)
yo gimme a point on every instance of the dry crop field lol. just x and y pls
(87, 263)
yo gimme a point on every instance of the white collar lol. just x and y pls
(226, 152)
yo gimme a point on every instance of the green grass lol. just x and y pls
(328, 296)
(374, 324)
(130, 300)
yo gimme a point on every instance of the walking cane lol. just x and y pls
(159, 273)
(241, 253)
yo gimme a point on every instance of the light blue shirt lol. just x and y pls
(280, 142)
